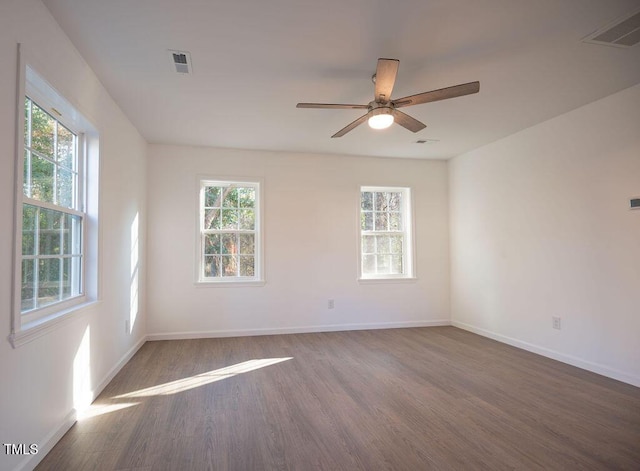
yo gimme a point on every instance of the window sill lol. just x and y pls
(43, 326)
(374, 281)
(230, 284)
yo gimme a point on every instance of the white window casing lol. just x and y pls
(229, 236)
(55, 268)
(386, 247)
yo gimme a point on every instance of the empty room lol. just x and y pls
(338, 235)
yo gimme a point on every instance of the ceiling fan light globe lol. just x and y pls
(380, 121)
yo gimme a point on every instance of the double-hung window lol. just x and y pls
(56, 234)
(52, 211)
(385, 233)
(230, 239)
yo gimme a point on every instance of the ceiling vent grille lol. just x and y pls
(180, 61)
(624, 32)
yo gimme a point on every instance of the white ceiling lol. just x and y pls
(253, 60)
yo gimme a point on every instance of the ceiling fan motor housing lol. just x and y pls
(376, 108)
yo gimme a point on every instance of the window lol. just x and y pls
(56, 231)
(385, 233)
(229, 235)
(52, 213)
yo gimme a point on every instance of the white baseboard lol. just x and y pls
(117, 367)
(47, 444)
(294, 330)
(546, 352)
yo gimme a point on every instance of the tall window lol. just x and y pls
(52, 211)
(230, 241)
(385, 233)
(56, 217)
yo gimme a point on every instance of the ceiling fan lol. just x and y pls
(383, 111)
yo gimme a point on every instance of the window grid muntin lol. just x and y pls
(370, 266)
(221, 203)
(30, 150)
(73, 210)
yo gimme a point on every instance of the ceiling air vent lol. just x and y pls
(181, 61)
(624, 32)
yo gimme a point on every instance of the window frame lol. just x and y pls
(31, 316)
(32, 84)
(230, 281)
(408, 245)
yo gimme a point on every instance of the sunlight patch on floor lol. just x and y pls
(100, 409)
(185, 384)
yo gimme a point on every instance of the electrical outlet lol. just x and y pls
(556, 322)
(331, 304)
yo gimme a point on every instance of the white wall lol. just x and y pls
(311, 240)
(540, 227)
(37, 379)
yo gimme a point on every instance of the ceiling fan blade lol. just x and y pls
(330, 106)
(351, 126)
(440, 94)
(386, 72)
(407, 121)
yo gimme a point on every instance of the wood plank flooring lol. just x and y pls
(436, 398)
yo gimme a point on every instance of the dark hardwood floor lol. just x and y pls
(403, 399)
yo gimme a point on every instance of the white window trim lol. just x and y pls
(409, 249)
(230, 282)
(26, 327)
